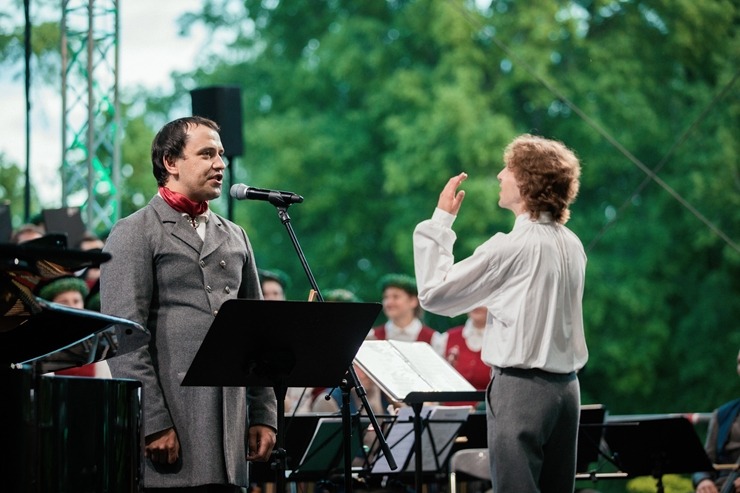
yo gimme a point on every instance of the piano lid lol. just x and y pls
(30, 327)
(54, 328)
(24, 266)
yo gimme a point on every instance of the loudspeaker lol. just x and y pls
(222, 104)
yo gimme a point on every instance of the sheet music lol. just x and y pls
(400, 368)
(400, 440)
(443, 424)
(432, 367)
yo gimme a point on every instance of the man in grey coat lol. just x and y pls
(173, 264)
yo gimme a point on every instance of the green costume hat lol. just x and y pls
(61, 285)
(278, 276)
(401, 281)
(340, 295)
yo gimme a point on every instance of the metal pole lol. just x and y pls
(27, 57)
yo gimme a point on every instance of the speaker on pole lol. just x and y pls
(223, 104)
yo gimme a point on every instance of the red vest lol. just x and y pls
(466, 361)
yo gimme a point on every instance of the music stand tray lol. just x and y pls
(658, 446)
(257, 343)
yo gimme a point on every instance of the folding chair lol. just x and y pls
(473, 462)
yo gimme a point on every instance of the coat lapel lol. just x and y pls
(216, 235)
(176, 224)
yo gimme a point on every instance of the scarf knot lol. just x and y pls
(181, 203)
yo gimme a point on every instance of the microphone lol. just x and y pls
(240, 191)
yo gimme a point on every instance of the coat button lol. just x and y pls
(202, 263)
(215, 312)
(227, 289)
(209, 289)
(222, 264)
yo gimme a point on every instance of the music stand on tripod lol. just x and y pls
(656, 446)
(280, 344)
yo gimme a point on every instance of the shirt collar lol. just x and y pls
(526, 217)
(411, 329)
(473, 336)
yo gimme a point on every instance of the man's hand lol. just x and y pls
(450, 199)
(261, 442)
(162, 447)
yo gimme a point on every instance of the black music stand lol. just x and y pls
(590, 433)
(413, 373)
(658, 446)
(281, 344)
(431, 440)
(325, 451)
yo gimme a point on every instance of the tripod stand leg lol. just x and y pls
(347, 432)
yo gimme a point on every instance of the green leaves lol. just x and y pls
(367, 108)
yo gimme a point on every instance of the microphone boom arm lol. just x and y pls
(282, 210)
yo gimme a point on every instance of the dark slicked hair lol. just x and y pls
(170, 142)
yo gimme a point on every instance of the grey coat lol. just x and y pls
(163, 276)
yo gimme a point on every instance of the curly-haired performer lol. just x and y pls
(531, 281)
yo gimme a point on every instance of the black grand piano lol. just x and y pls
(60, 433)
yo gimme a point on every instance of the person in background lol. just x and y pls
(531, 280)
(330, 400)
(70, 291)
(401, 307)
(67, 290)
(463, 350)
(173, 264)
(274, 283)
(26, 232)
(722, 446)
(91, 243)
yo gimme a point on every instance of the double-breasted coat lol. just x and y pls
(163, 276)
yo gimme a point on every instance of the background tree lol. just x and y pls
(367, 109)
(12, 186)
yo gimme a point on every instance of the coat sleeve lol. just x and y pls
(126, 290)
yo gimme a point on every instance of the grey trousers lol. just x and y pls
(532, 418)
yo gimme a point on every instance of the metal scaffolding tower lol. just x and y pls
(91, 120)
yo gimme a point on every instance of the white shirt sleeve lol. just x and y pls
(444, 287)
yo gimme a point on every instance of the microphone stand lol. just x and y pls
(350, 380)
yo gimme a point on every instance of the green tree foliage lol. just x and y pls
(136, 165)
(45, 39)
(12, 186)
(366, 108)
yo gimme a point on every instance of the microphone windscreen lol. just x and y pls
(238, 191)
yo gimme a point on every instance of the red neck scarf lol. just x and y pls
(181, 203)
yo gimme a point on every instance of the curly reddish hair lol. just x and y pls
(548, 175)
